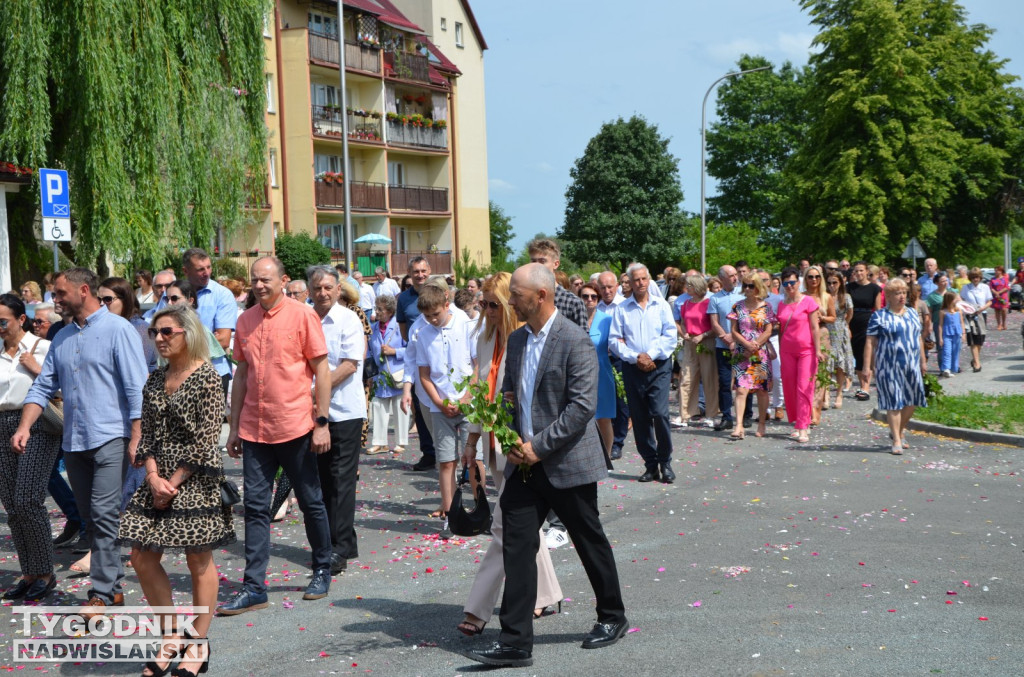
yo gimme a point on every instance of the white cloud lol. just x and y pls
(501, 186)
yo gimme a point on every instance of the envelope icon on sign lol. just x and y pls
(60, 210)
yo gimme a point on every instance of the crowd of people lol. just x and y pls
(127, 387)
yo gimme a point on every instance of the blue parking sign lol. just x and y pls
(54, 193)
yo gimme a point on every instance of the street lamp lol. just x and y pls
(703, 163)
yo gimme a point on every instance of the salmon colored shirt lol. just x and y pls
(277, 345)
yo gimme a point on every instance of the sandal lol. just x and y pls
(735, 437)
(803, 438)
(896, 450)
(157, 671)
(438, 514)
(795, 436)
(469, 628)
(547, 611)
(862, 396)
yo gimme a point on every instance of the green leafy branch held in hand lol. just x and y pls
(493, 417)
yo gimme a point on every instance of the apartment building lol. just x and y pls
(417, 168)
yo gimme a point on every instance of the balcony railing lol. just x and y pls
(324, 48)
(408, 66)
(418, 198)
(440, 262)
(327, 122)
(411, 135)
(364, 195)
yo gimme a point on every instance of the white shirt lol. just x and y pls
(636, 329)
(607, 308)
(450, 354)
(386, 287)
(531, 361)
(15, 380)
(343, 331)
(976, 294)
(412, 372)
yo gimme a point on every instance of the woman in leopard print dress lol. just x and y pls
(178, 505)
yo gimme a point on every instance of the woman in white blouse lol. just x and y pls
(23, 476)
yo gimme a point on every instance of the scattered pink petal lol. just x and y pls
(430, 570)
(860, 563)
(696, 604)
(950, 592)
(949, 601)
(892, 611)
(660, 569)
(982, 618)
(632, 630)
(967, 584)
(324, 654)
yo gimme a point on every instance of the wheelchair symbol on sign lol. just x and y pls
(56, 233)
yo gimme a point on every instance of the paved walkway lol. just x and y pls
(766, 557)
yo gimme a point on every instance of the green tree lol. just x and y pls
(623, 202)
(726, 243)
(501, 234)
(761, 124)
(156, 110)
(299, 251)
(465, 267)
(908, 134)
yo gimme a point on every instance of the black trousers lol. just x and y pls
(524, 504)
(338, 468)
(426, 441)
(648, 405)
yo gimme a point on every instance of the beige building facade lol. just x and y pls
(417, 168)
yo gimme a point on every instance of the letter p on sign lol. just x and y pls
(54, 187)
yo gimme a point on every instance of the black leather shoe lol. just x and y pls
(83, 544)
(338, 564)
(724, 423)
(425, 463)
(242, 602)
(319, 586)
(71, 530)
(40, 589)
(501, 655)
(667, 476)
(616, 454)
(605, 634)
(650, 475)
(747, 422)
(19, 590)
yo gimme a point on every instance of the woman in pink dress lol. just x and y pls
(800, 352)
(1000, 286)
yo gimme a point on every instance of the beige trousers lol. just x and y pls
(698, 369)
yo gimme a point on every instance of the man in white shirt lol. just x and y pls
(385, 285)
(643, 335)
(339, 466)
(367, 297)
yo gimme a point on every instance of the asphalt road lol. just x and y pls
(766, 557)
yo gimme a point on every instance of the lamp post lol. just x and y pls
(703, 163)
(347, 185)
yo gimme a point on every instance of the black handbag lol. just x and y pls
(228, 492)
(463, 523)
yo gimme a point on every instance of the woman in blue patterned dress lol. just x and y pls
(895, 350)
(752, 323)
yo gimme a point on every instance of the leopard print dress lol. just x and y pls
(181, 430)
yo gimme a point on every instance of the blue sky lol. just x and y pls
(557, 70)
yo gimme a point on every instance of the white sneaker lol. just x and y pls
(556, 538)
(677, 422)
(708, 423)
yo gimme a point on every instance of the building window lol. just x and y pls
(266, 25)
(323, 24)
(273, 167)
(271, 107)
(444, 24)
(458, 34)
(396, 174)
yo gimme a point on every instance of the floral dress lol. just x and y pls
(181, 430)
(753, 373)
(841, 352)
(1000, 287)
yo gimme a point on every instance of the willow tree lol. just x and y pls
(155, 108)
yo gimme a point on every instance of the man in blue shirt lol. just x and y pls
(406, 313)
(719, 308)
(96, 363)
(216, 305)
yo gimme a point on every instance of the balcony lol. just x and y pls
(407, 66)
(324, 48)
(410, 134)
(364, 195)
(327, 122)
(418, 198)
(440, 262)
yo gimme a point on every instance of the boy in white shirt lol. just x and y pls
(445, 356)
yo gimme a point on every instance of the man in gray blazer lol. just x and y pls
(551, 379)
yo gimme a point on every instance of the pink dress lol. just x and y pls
(799, 363)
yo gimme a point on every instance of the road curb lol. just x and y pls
(956, 433)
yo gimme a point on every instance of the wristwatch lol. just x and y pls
(321, 421)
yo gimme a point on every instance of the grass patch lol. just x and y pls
(997, 413)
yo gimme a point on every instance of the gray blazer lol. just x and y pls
(564, 403)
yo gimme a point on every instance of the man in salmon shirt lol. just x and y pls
(279, 347)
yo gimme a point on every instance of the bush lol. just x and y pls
(298, 251)
(229, 268)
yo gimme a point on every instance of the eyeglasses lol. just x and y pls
(812, 277)
(38, 320)
(591, 297)
(833, 282)
(108, 299)
(174, 298)
(789, 283)
(749, 285)
(166, 332)
(832, 270)
(159, 286)
(493, 305)
(905, 275)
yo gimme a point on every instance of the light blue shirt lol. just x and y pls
(721, 305)
(927, 284)
(531, 361)
(100, 370)
(217, 309)
(677, 307)
(637, 329)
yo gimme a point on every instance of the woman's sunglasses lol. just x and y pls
(789, 283)
(588, 297)
(166, 332)
(493, 305)
(107, 300)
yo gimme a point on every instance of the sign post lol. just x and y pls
(55, 196)
(914, 251)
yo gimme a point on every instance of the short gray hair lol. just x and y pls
(633, 267)
(302, 282)
(316, 273)
(700, 286)
(387, 302)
